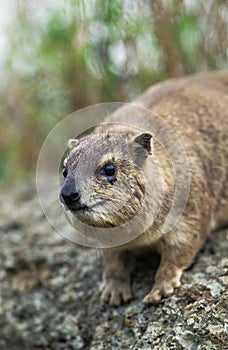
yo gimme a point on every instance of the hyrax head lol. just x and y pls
(102, 182)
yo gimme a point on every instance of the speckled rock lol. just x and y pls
(50, 292)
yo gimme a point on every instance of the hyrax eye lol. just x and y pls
(109, 170)
(65, 172)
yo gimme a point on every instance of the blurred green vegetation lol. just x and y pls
(84, 52)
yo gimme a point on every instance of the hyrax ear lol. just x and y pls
(72, 143)
(144, 140)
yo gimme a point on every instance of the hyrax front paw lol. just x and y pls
(163, 287)
(114, 291)
(115, 287)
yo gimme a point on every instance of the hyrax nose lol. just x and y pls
(69, 194)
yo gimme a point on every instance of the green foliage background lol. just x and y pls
(91, 51)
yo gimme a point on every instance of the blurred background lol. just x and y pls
(59, 56)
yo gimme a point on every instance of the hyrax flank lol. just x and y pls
(133, 164)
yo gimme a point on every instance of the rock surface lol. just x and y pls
(50, 292)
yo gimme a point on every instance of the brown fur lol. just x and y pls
(196, 108)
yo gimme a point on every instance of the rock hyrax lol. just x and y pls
(131, 175)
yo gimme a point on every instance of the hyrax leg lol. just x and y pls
(166, 279)
(179, 247)
(115, 286)
(174, 259)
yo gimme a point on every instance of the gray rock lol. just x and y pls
(50, 292)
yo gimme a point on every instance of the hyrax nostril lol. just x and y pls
(75, 196)
(70, 197)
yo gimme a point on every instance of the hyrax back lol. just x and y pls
(135, 165)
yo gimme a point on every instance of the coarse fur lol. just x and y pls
(195, 107)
